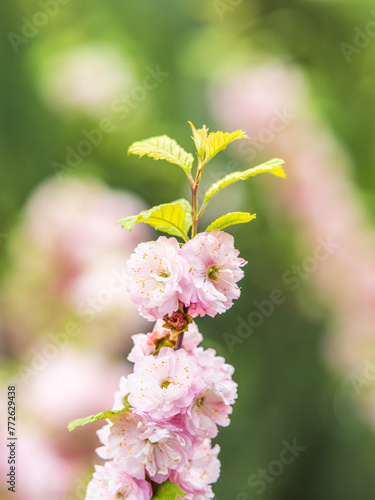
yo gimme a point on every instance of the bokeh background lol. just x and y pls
(80, 82)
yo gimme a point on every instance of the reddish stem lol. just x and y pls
(180, 338)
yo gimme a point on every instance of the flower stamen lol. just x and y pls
(213, 273)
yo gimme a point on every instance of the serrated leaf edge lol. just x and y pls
(187, 166)
(212, 225)
(244, 175)
(148, 214)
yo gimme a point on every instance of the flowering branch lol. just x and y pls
(195, 210)
(180, 339)
(157, 437)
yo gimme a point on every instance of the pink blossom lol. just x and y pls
(165, 385)
(192, 338)
(203, 470)
(121, 394)
(215, 270)
(158, 278)
(158, 332)
(140, 445)
(103, 434)
(213, 405)
(207, 358)
(145, 344)
(110, 482)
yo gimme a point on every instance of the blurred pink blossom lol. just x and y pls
(272, 103)
(68, 260)
(74, 384)
(86, 80)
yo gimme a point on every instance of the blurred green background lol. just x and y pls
(87, 62)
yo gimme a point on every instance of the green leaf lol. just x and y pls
(168, 491)
(80, 422)
(129, 222)
(230, 219)
(217, 141)
(163, 148)
(272, 166)
(199, 137)
(172, 218)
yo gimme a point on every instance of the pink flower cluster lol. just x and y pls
(178, 392)
(177, 398)
(202, 275)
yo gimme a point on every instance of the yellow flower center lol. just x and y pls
(213, 273)
(165, 384)
(164, 273)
